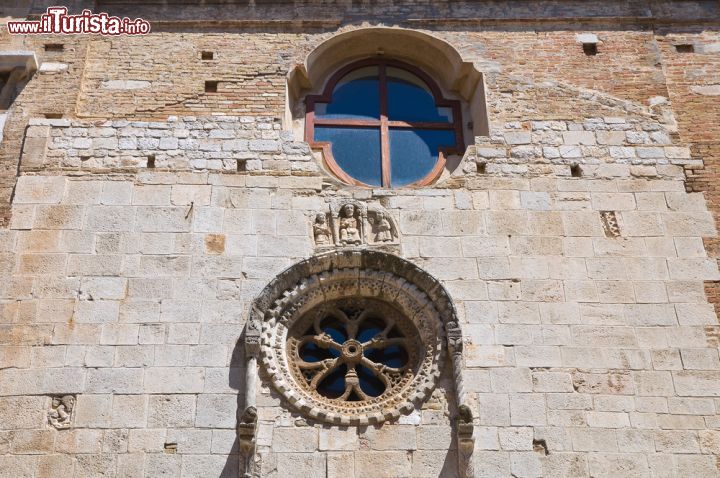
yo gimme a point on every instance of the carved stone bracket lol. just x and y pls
(466, 441)
(464, 423)
(353, 223)
(247, 420)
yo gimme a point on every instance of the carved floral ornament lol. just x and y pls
(353, 346)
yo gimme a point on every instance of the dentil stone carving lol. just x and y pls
(61, 410)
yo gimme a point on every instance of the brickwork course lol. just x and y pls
(141, 216)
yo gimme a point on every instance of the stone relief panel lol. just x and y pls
(610, 223)
(354, 223)
(61, 410)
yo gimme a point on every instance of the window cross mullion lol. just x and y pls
(417, 132)
(384, 129)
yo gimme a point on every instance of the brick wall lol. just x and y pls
(52, 90)
(692, 79)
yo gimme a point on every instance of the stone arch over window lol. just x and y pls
(435, 61)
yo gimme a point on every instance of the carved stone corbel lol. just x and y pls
(247, 420)
(466, 441)
(464, 423)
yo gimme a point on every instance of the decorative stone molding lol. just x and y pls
(354, 223)
(362, 276)
(355, 294)
(247, 420)
(61, 411)
(610, 223)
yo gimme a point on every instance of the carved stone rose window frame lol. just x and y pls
(398, 292)
(353, 350)
(364, 290)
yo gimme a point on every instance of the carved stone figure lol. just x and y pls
(354, 223)
(246, 436)
(321, 231)
(61, 411)
(384, 230)
(454, 337)
(349, 226)
(466, 442)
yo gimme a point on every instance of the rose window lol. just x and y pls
(353, 350)
(352, 346)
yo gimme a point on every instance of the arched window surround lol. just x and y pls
(383, 123)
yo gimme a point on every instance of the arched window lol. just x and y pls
(384, 123)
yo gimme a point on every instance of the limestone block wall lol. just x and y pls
(575, 241)
(590, 347)
(222, 143)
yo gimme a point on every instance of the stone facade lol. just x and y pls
(155, 235)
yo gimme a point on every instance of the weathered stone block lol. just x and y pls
(216, 411)
(288, 439)
(379, 463)
(39, 189)
(173, 380)
(338, 439)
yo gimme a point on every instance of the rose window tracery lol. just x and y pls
(353, 350)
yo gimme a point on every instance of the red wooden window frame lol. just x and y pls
(384, 124)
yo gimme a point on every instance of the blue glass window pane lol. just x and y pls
(409, 99)
(392, 356)
(369, 328)
(369, 383)
(413, 153)
(356, 151)
(356, 96)
(334, 328)
(312, 353)
(333, 385)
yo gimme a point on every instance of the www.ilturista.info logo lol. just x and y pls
(57, 20)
